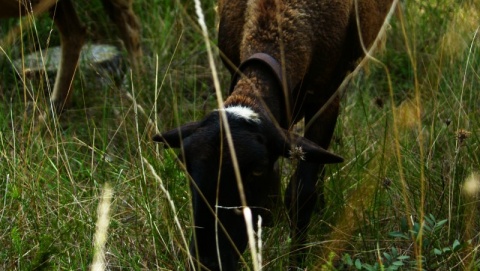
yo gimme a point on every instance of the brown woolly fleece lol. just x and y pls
(317, 42)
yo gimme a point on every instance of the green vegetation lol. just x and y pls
(407, 197)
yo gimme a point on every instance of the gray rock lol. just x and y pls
(98, 64)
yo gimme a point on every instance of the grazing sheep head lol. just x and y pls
(258, 144)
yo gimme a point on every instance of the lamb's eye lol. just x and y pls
(257, 173)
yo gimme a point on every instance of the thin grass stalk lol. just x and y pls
(464, 79)
(217, 206)
(412, 56)
(14, 145)
(157, 91)
(92, 160)
(247, 213)
(22, 49)
(136, 108)
(281, 44)
(224, 121)
(158, 88)
(42, 58)
(6, 191)
(139, 145)
(408, 208)
(259, 241)
(457, 142)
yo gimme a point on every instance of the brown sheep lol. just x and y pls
(287, 59)
(72, 35)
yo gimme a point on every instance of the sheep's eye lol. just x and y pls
(257, 173)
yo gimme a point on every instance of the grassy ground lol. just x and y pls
(407, 195)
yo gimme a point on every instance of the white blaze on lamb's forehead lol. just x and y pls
(243, 112)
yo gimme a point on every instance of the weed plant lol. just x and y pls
(407, 197)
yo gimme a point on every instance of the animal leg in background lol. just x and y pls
(72, 38)
(73, 34)
(121, 13)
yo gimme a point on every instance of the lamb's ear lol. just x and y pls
(174, 137)
(295, 146)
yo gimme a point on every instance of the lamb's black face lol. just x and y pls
(209, 160)
(215, 193)
(214, 186)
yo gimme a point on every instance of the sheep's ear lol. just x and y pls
(174, 137)
(299, 147)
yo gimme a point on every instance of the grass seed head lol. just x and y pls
(297, 153)
(471, 186)
(462, 135)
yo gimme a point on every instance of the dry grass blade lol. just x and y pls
(226, 127)
(103, 220)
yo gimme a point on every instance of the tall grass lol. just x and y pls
(402, 200)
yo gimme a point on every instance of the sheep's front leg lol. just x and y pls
(304, 189)
(72, 38)
(121, 13)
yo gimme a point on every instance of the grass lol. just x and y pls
(400, 198)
